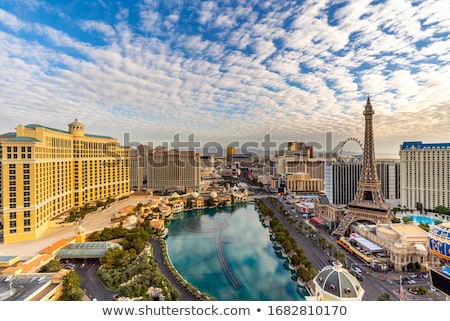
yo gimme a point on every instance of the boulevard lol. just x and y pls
(374, 283)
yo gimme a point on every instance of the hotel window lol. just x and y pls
(26, 214)
(26, 229)
(26, 222)
(29, 149)
(12, 215)
(12, 231)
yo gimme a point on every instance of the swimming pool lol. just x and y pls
(423, 219)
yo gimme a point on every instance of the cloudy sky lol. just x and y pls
(228, 71)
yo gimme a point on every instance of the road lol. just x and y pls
(372, 284)
(185, 295)
(90, 282)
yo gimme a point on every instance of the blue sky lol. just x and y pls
(228, 71)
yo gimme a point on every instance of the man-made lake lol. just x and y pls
(228, 254)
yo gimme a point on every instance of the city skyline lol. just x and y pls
(228, 72)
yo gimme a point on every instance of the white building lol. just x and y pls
(425, 175)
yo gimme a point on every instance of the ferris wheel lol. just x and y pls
(341, 145)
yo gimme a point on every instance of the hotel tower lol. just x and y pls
(46, 172)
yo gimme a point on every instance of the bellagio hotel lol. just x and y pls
(45, 172)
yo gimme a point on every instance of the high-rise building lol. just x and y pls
(46, 172)
(341, 179)
(425, 175)
(368, 203)
(138, 167)
(296, 158)
(229, 157)
(165, 170)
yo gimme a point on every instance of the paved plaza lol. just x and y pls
(92, 222)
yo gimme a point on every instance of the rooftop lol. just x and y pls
(86, 250)
(420, 145)
(34, 126)
(408, 229)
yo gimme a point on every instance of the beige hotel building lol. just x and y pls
(45, 172)
(425, 174)
(163, 170)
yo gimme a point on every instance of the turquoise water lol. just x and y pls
(227, 253)
(423, 219)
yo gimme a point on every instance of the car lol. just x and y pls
(9, 278)
(432, 289)
(411, 282)
(41, 279)
(70, 266)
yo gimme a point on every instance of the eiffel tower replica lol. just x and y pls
(368, 203)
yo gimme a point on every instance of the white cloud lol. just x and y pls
(11, 21)
(285, 71)
(98, 26)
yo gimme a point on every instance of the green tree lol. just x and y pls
(406, 220)
(304, 274)
(384, 297)
(340, 256)
(424, 227)
(52, 266)
(71, 287)
(441, 209)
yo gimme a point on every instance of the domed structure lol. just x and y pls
(335, 283)
(213, 194)
(76, 128)
(439, 238)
